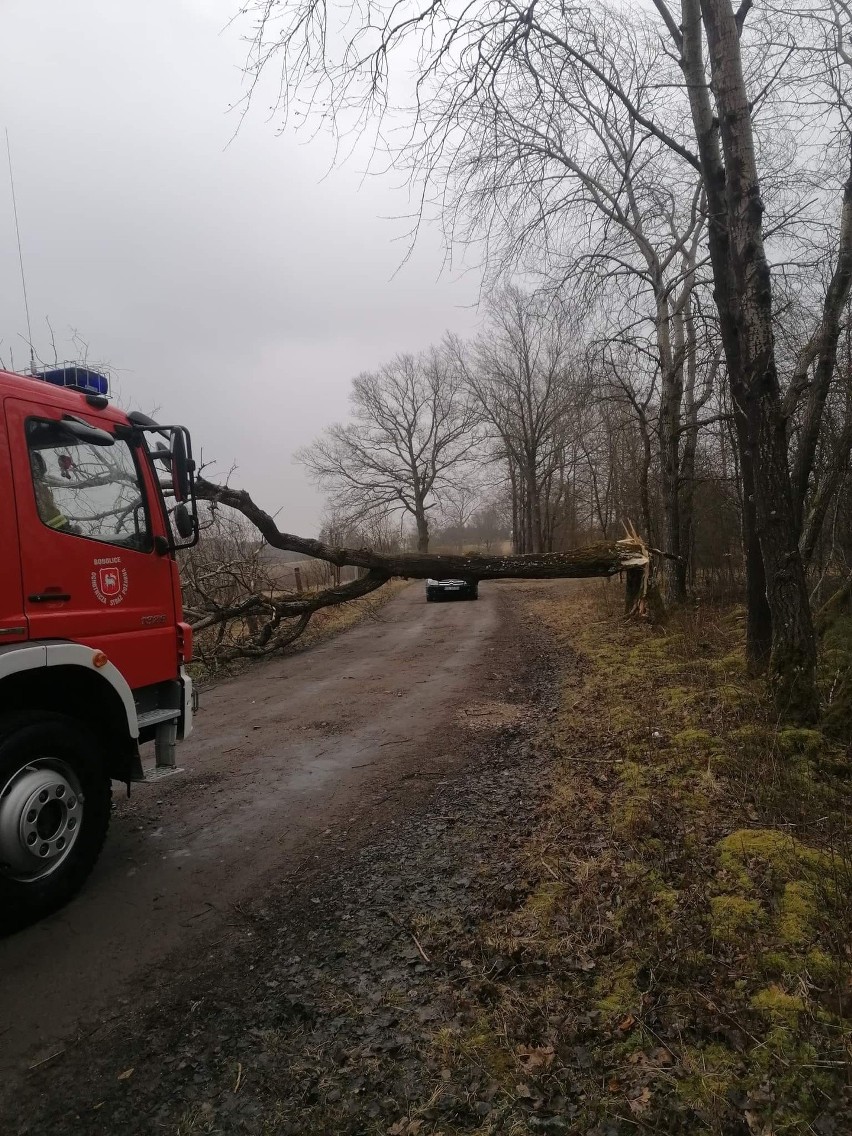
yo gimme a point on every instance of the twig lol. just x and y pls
(239, 1077)
(45, 1060)
(408, 931)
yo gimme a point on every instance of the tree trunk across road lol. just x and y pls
(606, 558)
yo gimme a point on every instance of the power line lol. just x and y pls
(20, 252)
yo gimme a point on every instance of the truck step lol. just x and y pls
(155, 717)
(160, 772)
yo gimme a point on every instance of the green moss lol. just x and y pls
(631, 803)
(733, 918)
(676, 698)
(752, 740)
(778, 1004)
(733, 696)
(798, 742)
(623, 718)
(479, 1043)
(617, 993)
(709, 1073)
(740, 851)
(820, 967)
(814, 967)
(541, 906)
(696, 740)
(776, 964)
(798, 913)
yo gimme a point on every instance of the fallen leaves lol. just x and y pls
(406, 1127)
(534, 1060)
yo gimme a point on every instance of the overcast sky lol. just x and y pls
(235, 287)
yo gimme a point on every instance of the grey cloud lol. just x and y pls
(234, 286)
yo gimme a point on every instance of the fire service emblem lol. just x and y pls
(110, 584)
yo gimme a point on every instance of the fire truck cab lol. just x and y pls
(94, 504)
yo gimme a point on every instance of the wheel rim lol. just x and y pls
(41, 815)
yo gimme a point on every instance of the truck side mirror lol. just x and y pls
(184, 521)
(180, 467)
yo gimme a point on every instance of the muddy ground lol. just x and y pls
(247, 957)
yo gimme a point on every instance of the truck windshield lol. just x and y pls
(87, 490)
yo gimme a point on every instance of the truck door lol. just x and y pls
(13, 623)
(93, 568)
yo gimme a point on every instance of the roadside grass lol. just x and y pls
(678, 957)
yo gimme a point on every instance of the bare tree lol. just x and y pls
(734, 82)
(559, 174)
(411, 439)
(519, 372)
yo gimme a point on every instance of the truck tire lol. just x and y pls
(55, 800)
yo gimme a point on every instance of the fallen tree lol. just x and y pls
(603, 559)
(606, 558)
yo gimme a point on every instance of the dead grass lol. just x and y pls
(682, 952)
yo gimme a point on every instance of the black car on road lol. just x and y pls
(452, 590)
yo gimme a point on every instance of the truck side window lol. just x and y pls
(87, 490)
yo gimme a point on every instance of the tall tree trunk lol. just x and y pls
(671, 397)
(758, 613)
(743, 291)
(535, 517)
(758, 618)
(422, 522)
(644, 474)
(516, 518)
(689, 444)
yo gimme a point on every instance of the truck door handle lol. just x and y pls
(49, 597)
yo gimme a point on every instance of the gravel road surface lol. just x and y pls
(286, 761)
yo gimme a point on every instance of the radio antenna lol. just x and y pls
(20, 254)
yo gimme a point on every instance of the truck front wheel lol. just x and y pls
(55, 800)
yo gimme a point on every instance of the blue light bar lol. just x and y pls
(80, 377)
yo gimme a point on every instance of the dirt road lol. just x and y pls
(284, 761)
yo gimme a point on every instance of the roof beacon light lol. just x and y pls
(80, 378)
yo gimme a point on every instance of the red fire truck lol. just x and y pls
(94, 504)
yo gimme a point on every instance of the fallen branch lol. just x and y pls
(408, 931)
(290, 606)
